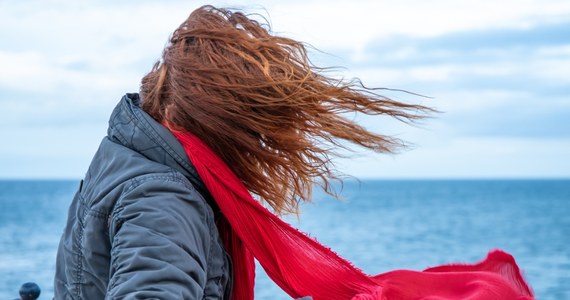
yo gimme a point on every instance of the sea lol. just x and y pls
(379, 225)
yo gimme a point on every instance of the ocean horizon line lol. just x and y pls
(345, 179)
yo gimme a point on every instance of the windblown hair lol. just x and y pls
(262, 106)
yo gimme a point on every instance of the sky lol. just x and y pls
(498, 71)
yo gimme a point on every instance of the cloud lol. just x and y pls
(548, 40)
(499, 82)
(37, 72)
(497, 69)
(338, 24)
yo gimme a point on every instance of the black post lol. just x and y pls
(29, 291)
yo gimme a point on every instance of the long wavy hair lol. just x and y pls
(258, 101)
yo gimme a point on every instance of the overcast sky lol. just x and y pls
(498, 70)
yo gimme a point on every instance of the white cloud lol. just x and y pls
(66, 63)
(38, 72)
(556, 70)
(341, 24)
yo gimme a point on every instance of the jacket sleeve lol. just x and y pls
(160, 242)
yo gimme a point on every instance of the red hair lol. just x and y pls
(259, 103)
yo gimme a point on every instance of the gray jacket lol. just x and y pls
(142, 224)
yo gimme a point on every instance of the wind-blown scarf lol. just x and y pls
(303, 267)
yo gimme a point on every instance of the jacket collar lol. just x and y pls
(130, 126)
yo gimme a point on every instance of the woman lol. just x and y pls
(165, 211)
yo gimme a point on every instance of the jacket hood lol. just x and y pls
(130, 126)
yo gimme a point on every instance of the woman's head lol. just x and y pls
(259, 103)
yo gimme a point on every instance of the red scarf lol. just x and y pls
(303, 267)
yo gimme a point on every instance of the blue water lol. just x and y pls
(379, 226)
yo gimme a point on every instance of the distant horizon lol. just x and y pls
(352, 179)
